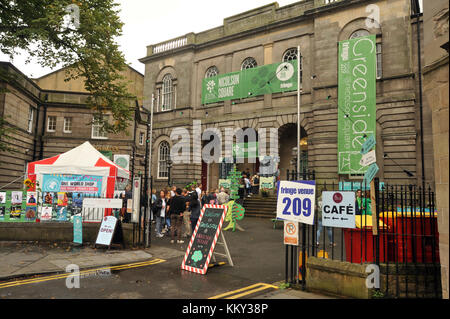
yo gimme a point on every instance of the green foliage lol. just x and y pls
(377, 294)
(284, 285)
(87, 50)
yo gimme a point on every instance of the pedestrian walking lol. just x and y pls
(160, 212)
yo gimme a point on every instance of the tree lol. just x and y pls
(80, 36)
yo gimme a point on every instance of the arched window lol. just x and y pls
(290, 55)
(362, 33)
(167, 93)
(212, 71)
(163, 157)
(249, 63)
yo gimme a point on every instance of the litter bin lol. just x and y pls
(360, 242)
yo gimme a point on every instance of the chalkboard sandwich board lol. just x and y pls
(204, 239)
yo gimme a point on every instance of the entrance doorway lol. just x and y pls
(287, 135)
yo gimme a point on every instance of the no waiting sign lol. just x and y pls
(338, 209)
(290, 233)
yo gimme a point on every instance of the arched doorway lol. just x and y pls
(246, 151)
(287, 140)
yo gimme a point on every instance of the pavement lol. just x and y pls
(27, 259)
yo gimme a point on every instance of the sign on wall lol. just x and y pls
(272, 78)
(72, 183)
(266, 182)
(338, 209)
(290, 233)
(296, 201)
(123, 160)
(356, 100)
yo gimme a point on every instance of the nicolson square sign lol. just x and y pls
(271, 78)
(356, 101)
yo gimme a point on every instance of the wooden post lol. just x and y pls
(373, 208)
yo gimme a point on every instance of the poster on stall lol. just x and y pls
(48, 198)
(2, 213)
(62, 199)
(31, 198)
(61, 214)
(46, 214)
(72, 183)
(16, 198)
(30, 214)
(2, 198)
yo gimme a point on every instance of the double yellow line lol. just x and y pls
(81, 273)
(244, 291)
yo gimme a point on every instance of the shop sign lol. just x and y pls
(296, 201)
(338, 209)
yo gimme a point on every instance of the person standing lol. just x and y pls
(167, 217)
(186, 215)
(212, 198)
(128, 195)
(177, 207)
(319, 223)
(247, 186)
(255, 181)
(194, 207)
(160, 213)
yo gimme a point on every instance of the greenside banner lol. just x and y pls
(356, 100)
(272, 78)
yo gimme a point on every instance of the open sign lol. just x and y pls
(338, 209)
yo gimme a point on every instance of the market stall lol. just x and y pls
(70, 176)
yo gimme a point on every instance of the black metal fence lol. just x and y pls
(404, 243)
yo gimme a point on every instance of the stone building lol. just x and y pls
(435, 84)
(48, 116)
(174, 71)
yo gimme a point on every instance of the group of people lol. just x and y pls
(362, 207)
(249, 184)
(176, 211)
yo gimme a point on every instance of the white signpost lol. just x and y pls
(296, 201)
(338, 209)
(368, 158)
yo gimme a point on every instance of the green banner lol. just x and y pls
(356, 100)
(271, 78)
(245, 150)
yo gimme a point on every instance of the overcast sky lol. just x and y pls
(152, 21)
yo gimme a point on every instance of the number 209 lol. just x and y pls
(298, 207)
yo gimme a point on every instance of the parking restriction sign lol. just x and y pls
(290, 233)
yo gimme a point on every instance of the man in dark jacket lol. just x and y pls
(194, 207)
(177, 207)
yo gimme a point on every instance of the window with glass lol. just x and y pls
(163, 157)
(212, 71)
(362, 33)
(67, 125)
(291, 55)
(249, 63)
(30, 119)
(51, 124)
(168, 92)
(98, 132)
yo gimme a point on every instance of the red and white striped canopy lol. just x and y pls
(81, 160)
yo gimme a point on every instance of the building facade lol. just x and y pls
(174, 71)
(435, 83)
(47, 116)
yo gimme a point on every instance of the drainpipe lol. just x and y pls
(41, 151)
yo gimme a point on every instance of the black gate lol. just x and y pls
(404, 245)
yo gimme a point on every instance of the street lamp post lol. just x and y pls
(169, 166)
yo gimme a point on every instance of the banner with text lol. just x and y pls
(271, 78)
(356, 100)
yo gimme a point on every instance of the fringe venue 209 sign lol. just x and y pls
(356, 101)
(204, 239)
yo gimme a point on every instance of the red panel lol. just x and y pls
(112, 168)
(45, 161)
